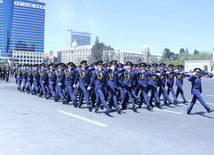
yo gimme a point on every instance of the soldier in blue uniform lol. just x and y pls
(128, 76)
(162, 83)
(170, 82)
(35, 79)
(42, 80)
(29, 79)
(98, 80)
(180, 75)
(18, 76)
(51, 81)
(24, 77)
(83, 77)
(196, 91)
(92, 90)
(113, 84)
(121, 91)
(60, 78)
(70, 83)
(153, 85)
(143, 79)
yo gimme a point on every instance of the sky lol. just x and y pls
(128, 24)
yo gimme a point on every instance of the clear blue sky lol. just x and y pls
(128, 24)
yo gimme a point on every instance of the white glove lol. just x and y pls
(59, 84)
(125, 67)
(95, 67)
(74, 85)
(167, 72)
(158, 74)
(89, 88)
(143, 71)
(43, 81)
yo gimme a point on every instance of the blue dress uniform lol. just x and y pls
(29, 79)
(18, 76)
(162, 83)
(83, 77)
(42, 80)
(196, 91)
(98, 80)
(35, 79)
(143, 79)
(153, 86)
(24, 77)
(106, 82)
(135, 84)
(170, 83)
(113, 84)
(92, 90)
(51, 82)
(121, 91)
(70, 83)
(179, 82)
(60, 78)
(128, 76)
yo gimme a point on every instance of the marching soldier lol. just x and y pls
(128, 76)
(60, 78)
(180, 75)
(162, 83)
(83, 77)
(19, 77)
(197, 91)
(42, 80)
(29, 79)
(143, 79)
(24, 77)
(113, 84)
(153, 85)
(121, 91)
(170, 82)
(7, 73)
(70, 83)
(98, 80)
(51, 81)
(35, 74)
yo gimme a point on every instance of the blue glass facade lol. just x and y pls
(21, 26)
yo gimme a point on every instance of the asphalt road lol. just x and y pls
(33, 125)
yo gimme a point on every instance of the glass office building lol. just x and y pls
(21, 29)
(82, 38)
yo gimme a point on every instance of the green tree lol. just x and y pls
(97, 52)
(181, 51)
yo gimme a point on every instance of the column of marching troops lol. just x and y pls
(6, 72)
(109, 84)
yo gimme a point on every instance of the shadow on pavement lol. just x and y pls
(201, 113)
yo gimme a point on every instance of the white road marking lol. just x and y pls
(82, 118)
(210, 95)
(174, 112)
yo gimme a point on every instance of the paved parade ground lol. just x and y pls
(33, 125)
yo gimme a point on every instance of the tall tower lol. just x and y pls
(146, 52)
(21, 27)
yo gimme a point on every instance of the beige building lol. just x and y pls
(135, 57)
(77, 53)
(74, 53)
